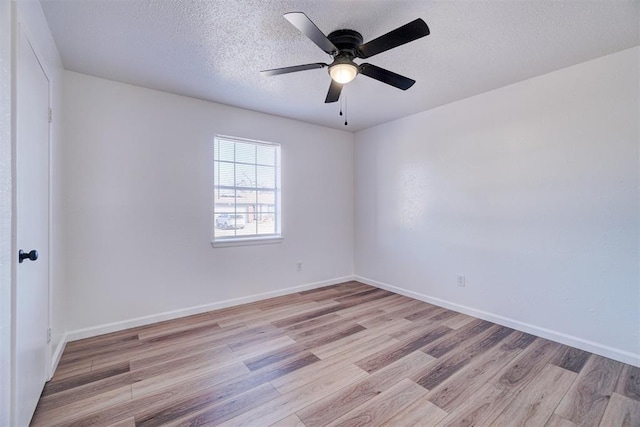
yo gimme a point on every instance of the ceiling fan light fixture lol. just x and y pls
(343, 72)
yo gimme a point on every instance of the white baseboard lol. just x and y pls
(593, 347)
(174, 314)
(57, 354)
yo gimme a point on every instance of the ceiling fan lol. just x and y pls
(346, 45)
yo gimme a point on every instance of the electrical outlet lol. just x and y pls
(461, 280)
(299, 266)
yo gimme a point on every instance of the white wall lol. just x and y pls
(531, 191)
(138, 204)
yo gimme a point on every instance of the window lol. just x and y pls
(246, 191)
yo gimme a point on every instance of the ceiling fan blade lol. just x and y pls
(386, 76)
(401, 35)
(309, 29)
(285, 70)
(334, 92)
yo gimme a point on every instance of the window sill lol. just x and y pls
(248, 241)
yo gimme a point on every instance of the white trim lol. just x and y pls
(57, 354)
(174, 314)
(247, 241)
(570, 340)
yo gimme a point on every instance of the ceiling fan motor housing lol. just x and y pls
(347, 41)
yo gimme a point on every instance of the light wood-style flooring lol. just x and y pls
(348, 354)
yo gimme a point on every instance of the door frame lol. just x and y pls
(20, 29)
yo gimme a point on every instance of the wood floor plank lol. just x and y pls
(491, 399)
(131, 345)
(629, 382)
(102, 341)
(128, 422)
(363, 346)
(166, 354)
(403, 309)
(326, 367)
(198, 321)
(557, 421)
(216, 413)
(62, 415)
(328, 409)
(219, 337)
(338, 333)
(343, 354)
(291, 421)
(449, 365)
(356, 310)
(298, 398)
(403, 348)
(621, 411)
(447, 343)
(319, 330)
(273, 356)
(255, 349)
(68, 370)
(380, 408)
(407, 327)
(457, 321)
(464, 384)
(176, 389)
(535, 404)
(273, 315)
(525, 367)
(426, 313)
(281, 301)
(312, 323)
(396, 303)
(419, 413)
(488, 403)
(196, 403)
(362, 296)
(395, 326)
(573, 359)
(206, 370)
(84, 378)
(252, 337)
(586, 401)
(84, 391)
(298, 318)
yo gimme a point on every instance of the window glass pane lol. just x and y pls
(224, 150)
(245, 153)
(267, 227)
(266, 201)
(245, 175)
(245, 198)
(224, 174)
(266, 155)
(266, 177)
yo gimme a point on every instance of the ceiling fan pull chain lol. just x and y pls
(345, 109)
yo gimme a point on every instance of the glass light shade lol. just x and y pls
(343, 73)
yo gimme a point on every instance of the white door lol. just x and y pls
(32, 220)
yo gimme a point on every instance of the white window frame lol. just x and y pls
(257, 239)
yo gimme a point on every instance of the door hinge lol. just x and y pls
(50, 115)
(48, 335)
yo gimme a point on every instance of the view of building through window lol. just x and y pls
(246, 189)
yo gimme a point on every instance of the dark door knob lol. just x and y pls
(22, 255)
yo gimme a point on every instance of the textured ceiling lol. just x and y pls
(214, 49)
